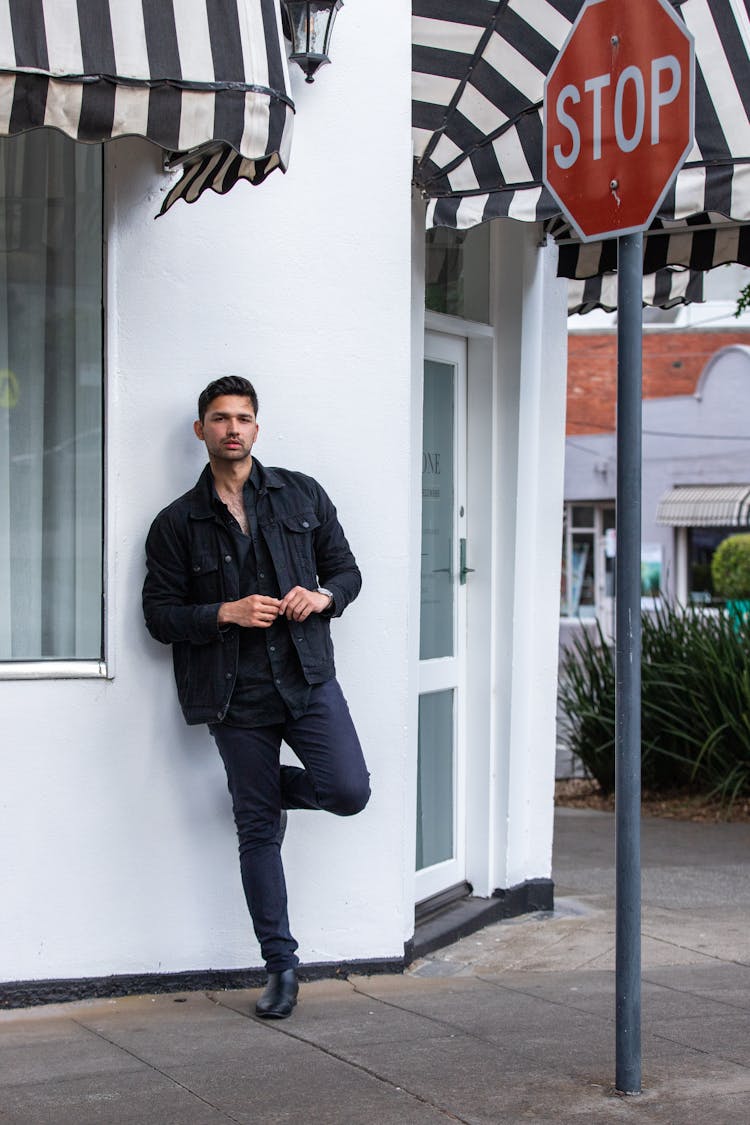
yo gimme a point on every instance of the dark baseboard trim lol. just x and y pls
(30, 993)
(528, 897)
(457, 920)
(470, 914)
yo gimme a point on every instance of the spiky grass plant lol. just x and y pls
(695, 703)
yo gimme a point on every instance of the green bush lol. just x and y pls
(587, 701)
(695, 703)
(730, 567)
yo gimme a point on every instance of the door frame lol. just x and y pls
(449, 673)
(479, 718)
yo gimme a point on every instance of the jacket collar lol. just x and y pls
(201, 497)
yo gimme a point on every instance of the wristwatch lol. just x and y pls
(328, 594)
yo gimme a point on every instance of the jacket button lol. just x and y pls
(305, 523)
(227, 558)
(227, 675)
(196, 569)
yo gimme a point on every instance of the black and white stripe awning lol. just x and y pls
(663, 289)
(478, 82)
(206, 80)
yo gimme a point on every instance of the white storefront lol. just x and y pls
(117, 847)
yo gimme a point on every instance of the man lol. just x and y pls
(245, 572)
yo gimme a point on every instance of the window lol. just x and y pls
(457, 272)
(701, 545)
(588, 559)
(50, 398)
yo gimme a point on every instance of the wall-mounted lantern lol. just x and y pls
(308, 25)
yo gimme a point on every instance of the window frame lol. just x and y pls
(570, 530)
(87, 668)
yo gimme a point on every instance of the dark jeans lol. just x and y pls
(334, 778)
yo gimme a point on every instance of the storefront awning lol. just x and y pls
(206, 80)
(705, 505)
(477, 86)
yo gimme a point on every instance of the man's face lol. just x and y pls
(229, 428)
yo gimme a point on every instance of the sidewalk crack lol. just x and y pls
(156, 1069)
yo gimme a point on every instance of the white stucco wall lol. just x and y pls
(530, 311)
(117, 842)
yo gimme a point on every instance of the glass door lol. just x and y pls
(440, 851)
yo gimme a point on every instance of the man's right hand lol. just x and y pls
(254, 612)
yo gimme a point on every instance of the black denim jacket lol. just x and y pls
(192, 569)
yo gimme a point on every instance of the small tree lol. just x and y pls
(730, 568)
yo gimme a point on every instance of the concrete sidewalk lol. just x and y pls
(515, 1023)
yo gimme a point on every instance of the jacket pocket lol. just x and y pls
(302, 524)
(205, 584)
(299, 539)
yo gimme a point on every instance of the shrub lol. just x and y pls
(695, 703)
(587, 700)
(730, 567)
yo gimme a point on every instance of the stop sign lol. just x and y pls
(618, 114)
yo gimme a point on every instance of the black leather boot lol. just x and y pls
(279, 996)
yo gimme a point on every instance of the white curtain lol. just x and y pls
(50, 398)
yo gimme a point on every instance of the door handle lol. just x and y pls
(464, 569)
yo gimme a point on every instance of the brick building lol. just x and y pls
(696, 402)
(672, 365)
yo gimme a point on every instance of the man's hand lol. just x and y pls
(255, 612)
(299, 603)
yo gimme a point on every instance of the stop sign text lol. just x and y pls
(634, 96)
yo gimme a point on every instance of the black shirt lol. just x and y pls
(270, 681)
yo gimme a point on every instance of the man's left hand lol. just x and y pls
(299, 603)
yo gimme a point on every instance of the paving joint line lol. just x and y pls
(274, 1027)
(420, 1015)
(590, 961)
(433, 1019)
(698, 995)
(545, 999)
(699, 1050)
(698, 952)
(157, 1070)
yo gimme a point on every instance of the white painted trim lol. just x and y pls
(478, 693)
(455, 326)
(110, 412)
(529, 304)
(449, 673)
(54, 670)
(414, 485)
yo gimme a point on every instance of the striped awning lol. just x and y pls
(477, 86)
(206, 80)
(705, 505)
(663, 290)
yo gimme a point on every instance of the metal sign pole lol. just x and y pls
(628, 665)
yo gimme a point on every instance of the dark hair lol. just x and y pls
(227, 385)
